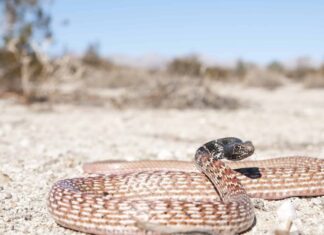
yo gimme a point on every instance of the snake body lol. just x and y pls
(162, 197)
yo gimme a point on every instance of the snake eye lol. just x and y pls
(241, 151)
(237, 149)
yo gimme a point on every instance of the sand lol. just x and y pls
(41, 144)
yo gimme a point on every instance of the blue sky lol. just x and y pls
(255, 30)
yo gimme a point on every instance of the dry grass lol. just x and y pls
(264, 79)
(180, 94)
(314, 82)
(217, 73)
(147, 91)
(185, 66)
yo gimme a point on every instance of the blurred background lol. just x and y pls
(84, 81)
(163, 54)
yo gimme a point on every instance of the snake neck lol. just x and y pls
(207, 160)
(214, 149)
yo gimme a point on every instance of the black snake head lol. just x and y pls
(238, 150)
(230, 148)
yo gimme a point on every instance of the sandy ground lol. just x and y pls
(39, 146)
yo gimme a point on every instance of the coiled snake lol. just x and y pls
(163, 197)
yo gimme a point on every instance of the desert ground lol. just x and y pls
(42, 143)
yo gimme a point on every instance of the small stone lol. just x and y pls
(4, 179)
(28, 217)
(4, 196)
(316, 201)
(286, 214)
(259, 204)
(286, 211)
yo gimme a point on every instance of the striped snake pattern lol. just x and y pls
(167, 197)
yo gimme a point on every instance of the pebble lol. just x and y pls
(317, 201)
(28, 217)
(4, 179)
(286, 215)
(259, 204)
(4, 196)
(286, 211)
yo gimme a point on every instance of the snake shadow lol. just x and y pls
(250, 172)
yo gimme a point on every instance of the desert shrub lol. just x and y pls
(217, 72)
(264, 79)
(179, 94)
(315, 81)
(299, 73)
(276, 67)
(188, 66)
(321, 70)
(119, 77)
(241, 69)
(20, 73)
(302, 70)
(93, 58)
(311, 77)
(26, 24)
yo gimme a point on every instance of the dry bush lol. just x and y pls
(217, 73)
(300, 73)
(118, 77)
(92, 58)
(241, 69)
(10, 72)
(305, 72)
(21, 74)
(185, 66)
(125, 87)
(303, 69)
(314, 81)
(97, 62)
(321, 70)
(155, 92)
(26, 25)
(67, 68)
(276, 67)
(264, 79)
(178, 93)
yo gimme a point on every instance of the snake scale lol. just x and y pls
(172, 197)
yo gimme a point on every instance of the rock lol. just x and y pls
(5, 196)
(28, 217)
(4, 179)
(286, 211)
(286, 214)
(259, 204)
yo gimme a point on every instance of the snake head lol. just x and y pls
(230, 148)
(238, 151)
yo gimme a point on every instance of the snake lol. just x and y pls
(211, 195)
